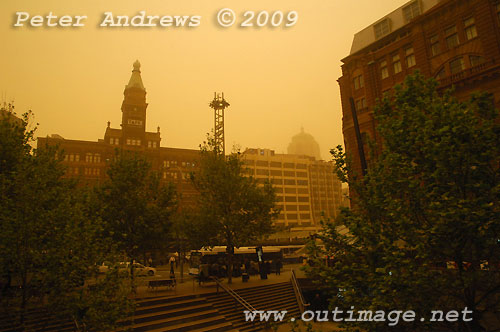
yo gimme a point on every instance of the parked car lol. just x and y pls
(139, 269)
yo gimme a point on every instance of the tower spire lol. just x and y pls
(135, 79)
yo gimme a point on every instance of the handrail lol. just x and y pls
(235, 295)
(298, 293)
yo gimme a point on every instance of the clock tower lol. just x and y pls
(134, 110)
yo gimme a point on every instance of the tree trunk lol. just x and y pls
(23, 299)
(132, 281)
(181, 262)
(230, 254)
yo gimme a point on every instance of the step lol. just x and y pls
(198, 324)
(222, 327)
(149, 301)
(176, 321)
(257, 303)
(171, 313)
(169, 306)
(47, 325)
(254, 292)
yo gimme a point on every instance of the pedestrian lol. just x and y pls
(172, 262)
(172, 274)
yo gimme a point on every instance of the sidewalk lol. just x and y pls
(190, 285)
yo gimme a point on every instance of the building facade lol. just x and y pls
(87, 160)
(455, 41)
(307, 189)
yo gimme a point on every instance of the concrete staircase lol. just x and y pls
(182, 313)
(278, 296)
(214, 312)
(39, 320)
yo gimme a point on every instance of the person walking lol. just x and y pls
(279, 265)
(172, 262)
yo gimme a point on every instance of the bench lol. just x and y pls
(154, 284)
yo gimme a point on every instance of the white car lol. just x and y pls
(139, 269)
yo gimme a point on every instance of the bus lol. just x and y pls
(218, 255)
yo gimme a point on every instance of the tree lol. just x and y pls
(48, 245)
(234, 210)
(136, 207)
(430, 197)
(186, 234)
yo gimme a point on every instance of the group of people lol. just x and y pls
(240, 268)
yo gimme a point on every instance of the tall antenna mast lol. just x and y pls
(219, 104)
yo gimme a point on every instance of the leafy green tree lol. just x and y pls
(136, 207)
(186, 234)
(48, 245)
(430, 197)
(234, 210)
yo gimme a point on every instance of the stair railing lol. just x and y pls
(298, 293)
(235, 295)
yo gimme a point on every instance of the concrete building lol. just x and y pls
(307, 189)
(455, 41)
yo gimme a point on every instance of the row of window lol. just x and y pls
(294, 216)
(292, 190)
(281, 173)
(92, 171)
(89, 157)
(133, 141)
(294, 207)
(451, 37)
(286, 182)
(86, 171)
(72, 157)
(72, 170)
(175, 175)
(92, 158)
(383, 27)
(457, 65)
(276, 164)
(114, 141)
(174, 163)
(358, 82)
(396, 63)
(300, 199)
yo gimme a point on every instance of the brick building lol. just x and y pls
(305, 187)
(455, 41)
(86, 160)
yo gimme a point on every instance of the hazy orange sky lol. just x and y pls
(276, 79)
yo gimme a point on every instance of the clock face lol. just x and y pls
(135, 122)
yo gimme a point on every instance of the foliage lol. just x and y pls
(48, 244)
(234, 210)
(430, 197)
(136, 206)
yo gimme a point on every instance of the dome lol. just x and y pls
(304, 144)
